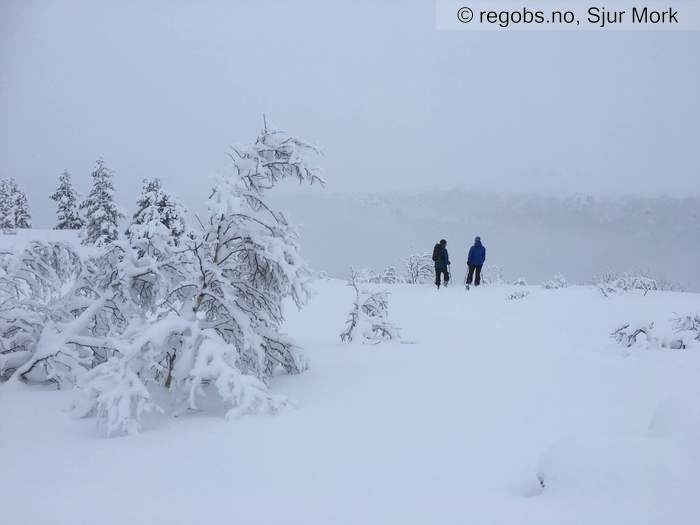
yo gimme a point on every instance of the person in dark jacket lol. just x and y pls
(475, 260)
(442, 261)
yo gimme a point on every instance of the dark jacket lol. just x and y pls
(443, 259)
(477, 254)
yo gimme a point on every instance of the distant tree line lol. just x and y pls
(97, 216)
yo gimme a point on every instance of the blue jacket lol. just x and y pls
(477, 254)
(443, 260)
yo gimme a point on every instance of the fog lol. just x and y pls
(397, 106)
(527, 236)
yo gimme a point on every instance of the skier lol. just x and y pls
(442, 261)
(475, 260)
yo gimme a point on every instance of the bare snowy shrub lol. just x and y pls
(555, 283)
(682, 333)
(515, 296)
(365, 275)
(667, 285)
(369, 315)
(610, 283)
(687, 332)
(629, 334)
(491, 274)
(419, 268)
(520, 281)
(389, 276)
(688, 323)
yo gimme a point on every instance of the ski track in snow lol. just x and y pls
(452, 428)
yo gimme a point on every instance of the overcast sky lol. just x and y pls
(162, 89)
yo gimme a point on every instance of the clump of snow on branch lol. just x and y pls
(369, 316)
(555, 283)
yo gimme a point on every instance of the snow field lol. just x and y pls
(453, 425)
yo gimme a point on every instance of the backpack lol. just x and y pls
(437, 251)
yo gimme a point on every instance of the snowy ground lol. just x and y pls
(453, 428)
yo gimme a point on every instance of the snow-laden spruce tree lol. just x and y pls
(67, 215)
(155, 208)
(419, 268)
(369, 315)
(7, 215)
(100, 211)
(14, 207)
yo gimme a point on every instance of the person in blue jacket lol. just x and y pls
(475, 260)
(442, 261)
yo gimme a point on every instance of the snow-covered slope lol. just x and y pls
(16, 241)
(484, 401)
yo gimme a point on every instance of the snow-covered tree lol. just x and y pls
(7, 216)
(36, 294)
(205, 315)
(23, 218)
(101, 213)
(419, 268)
(67, 215)
(14, 207)
(156, 209)
(220, 297)
(369, 315)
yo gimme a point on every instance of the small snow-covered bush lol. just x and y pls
(681, 333)
(389, 276)
(520, 281)
(610, 283)
(630, 334)
(518, 295)
(369, 315)
(419, 268)
(491, 274)
(555, 283)
(365, 275)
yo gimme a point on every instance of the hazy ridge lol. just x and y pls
(528, 235)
